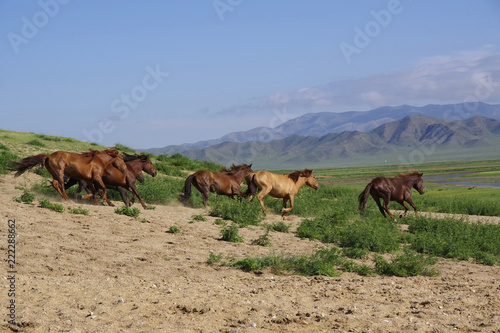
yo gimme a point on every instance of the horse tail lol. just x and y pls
(187, 188)
(363, 197)
(29, 162)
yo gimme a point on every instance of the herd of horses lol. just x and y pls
(96, 171)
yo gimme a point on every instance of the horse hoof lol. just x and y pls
(401, 216)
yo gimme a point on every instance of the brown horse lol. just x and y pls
(116, 180)
(89, 166)
(281, 186)
(392, 189)
(222, 183)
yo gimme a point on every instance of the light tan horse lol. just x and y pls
(281, 186)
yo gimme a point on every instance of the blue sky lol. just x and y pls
(154, 73)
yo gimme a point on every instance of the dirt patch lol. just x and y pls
(111, 273)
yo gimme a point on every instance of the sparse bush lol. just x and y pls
(199, 217)
(124, 210)
(36, 143)
(79, 210)
(406, 264)
(230, 234)
(44, 203)
(242, 212)
(279, 227)
(27, 197)
(174, 230)
(262, 240)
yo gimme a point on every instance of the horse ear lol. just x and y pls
(420, 174)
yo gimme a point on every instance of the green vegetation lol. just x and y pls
(174, 230)
(230, 233)
(262, 240)
(329, 214)
(44, 203)
(79, 210)
(241, 212)
(27, 197)
(124, 210)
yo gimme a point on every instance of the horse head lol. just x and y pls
(310, 179)
(419, 184)
(148, 166)
(118, 161)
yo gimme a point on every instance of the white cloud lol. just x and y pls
(440, 79)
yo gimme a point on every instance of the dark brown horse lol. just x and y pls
(116, 180)
(392, 189)
(281, 186)
(89, 166)
(223, 183)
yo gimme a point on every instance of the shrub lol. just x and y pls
(242, 212)
(79, 210)
(376, 235)
(5, 157)
(36, 142)
(278, 226)
(230, 234)
(452, 238)
(406, 264)
(174, 230)
(124, 210)
(262, 240)
(44, 203)
(199, 217)
(27, 197)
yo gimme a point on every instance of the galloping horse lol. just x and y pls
(115, 180)
(281, 186)
(393, 189)
(89, 166)
(223, 183)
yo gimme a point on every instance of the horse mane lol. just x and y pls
(91, 153)
(129, 157)
(297, 174)
(408, 174)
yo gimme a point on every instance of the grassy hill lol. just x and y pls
(409, 140)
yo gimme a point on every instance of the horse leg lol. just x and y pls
(204, 195)
(410, 201)
(285, 210)
(377, 201)
(403, 203)
(101, 186)
(387, 199)
(136, 192)
(262, 194)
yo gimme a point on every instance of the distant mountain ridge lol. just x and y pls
(399, 138)
(323, 123)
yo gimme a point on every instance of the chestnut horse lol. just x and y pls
(115, 180)
(281, 186)
(393, 189)
(222, 183)
(89, 166)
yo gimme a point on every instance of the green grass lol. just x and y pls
(230, 233)
(241, 212)
(79, 210)
(451, 238)
(124, 210)
(44, 203)
(27, 197)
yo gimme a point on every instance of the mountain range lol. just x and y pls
(394, 134)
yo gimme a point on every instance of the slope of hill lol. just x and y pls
(437, 138)
(322, 123)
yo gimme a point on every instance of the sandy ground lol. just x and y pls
(110, 273)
